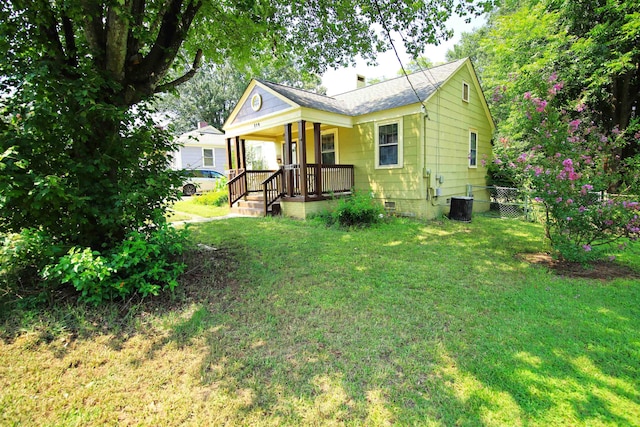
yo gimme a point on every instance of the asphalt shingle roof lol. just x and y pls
(388, 94)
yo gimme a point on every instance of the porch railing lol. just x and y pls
(335, 179)
(255, 179)
(274, 184)
(237, 186)
(273, 188)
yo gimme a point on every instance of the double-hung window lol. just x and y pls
(389, 144)
(473, 149)
(328, 141)
(207, 157)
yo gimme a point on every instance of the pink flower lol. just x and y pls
(567, 163)
(582, 209)
(574, 124)
(569, 201)
(587, 248)
(556, 88)
(553, 77)
(541, 104)
(527, 95)
(569, 218)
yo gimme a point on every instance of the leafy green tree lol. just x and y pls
(605, 57)
(591, 45)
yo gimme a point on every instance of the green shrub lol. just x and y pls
(144, 263)
(22, 256)
(215, 198)
(358, 210)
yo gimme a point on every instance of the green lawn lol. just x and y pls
(290, 323)
(186, 209)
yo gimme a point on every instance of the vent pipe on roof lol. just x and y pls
(360, 81)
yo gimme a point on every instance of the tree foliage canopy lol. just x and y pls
(593, 46)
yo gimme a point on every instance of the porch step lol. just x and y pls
(254, 206)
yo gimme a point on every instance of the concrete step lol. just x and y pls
(252, 204)
(247, 211)
(254, 197)
(254, 208)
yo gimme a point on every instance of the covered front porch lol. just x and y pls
(297, 180)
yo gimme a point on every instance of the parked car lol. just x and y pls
(199, 180)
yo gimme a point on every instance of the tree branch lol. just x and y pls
(137, 19)
(70, 41)
(93, 30)
(188, 75)
(116, 43)
(173, 30)
(49, 31)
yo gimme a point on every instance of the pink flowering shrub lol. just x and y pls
(566, 162)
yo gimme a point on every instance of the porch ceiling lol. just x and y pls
(273, 128)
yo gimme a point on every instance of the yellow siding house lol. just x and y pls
(414, 142)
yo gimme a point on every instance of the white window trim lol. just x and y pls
(294, 152)
(213, 158)
(377, 125)
(473, 131)
(335, 143)
(465, 84)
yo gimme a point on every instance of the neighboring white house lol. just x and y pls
(205, 149)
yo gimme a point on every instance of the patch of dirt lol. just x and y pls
(600, 270)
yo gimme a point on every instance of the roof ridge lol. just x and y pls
(401, 77)
(294, 88)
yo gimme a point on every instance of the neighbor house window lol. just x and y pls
(207, 157)
(473, 149)
(328, 142)
(465, 91)
(389, 144)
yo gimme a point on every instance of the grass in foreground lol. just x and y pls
(290, 323)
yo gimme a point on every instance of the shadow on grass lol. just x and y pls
(208, 273)
(469, 339)
(407, 324)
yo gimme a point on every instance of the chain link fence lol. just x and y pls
(508, 202)
(504, 202)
